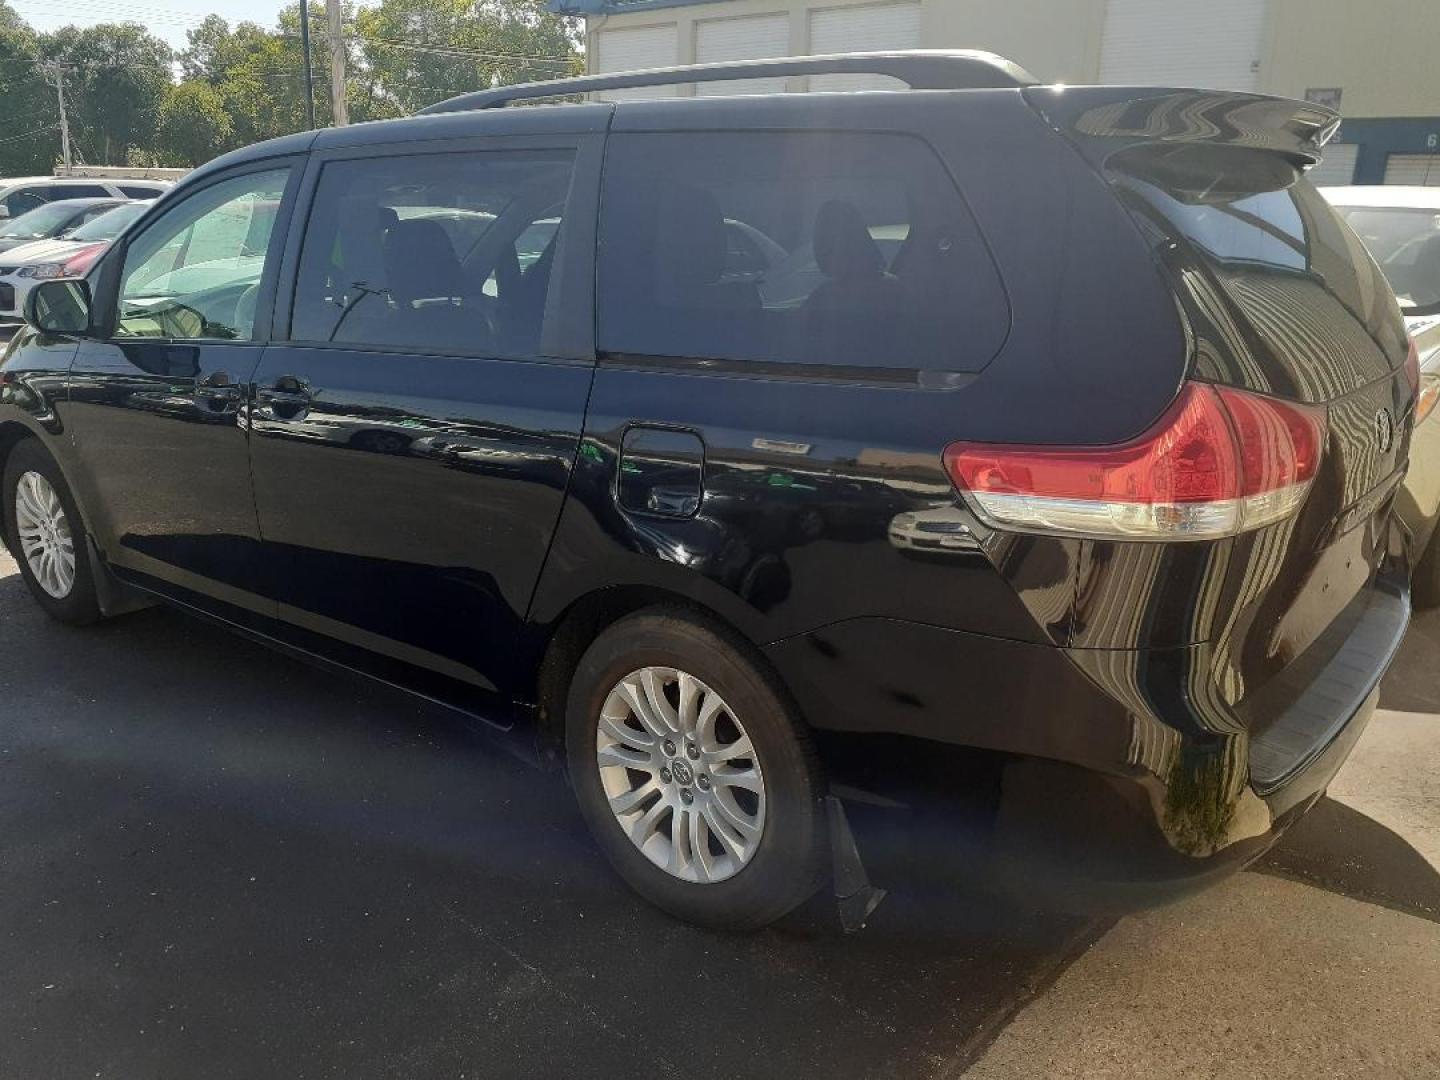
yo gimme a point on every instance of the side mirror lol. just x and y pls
(59, 307)
(4, 211)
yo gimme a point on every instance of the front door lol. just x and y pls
(158, 406)
(413, 440)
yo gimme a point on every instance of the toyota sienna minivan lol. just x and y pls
(749, 457)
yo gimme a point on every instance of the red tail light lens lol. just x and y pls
(1219, 461)
(1412, 367)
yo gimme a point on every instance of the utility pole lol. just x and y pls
(309, 75)
(59, 72)
(338, 107)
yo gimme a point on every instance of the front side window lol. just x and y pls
(195, 272)
(817, 248)
(447, 253)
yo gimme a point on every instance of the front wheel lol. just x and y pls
(44, 526)
(693, 774)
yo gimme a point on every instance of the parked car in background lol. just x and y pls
(1401, 227)
(20, 194)
(1077, 460)
(68, 255)
(52, 220)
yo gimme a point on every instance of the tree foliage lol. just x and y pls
(194, 124)
(27, 135)
(115, 77)
(131, 98)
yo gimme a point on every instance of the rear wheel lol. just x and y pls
(692, 773)
(48, 536)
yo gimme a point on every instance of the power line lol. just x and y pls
(28, 134)
(463, 53)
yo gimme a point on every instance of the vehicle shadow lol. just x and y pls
(1337, 848)
(271, 869)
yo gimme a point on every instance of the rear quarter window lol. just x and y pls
(818, 249)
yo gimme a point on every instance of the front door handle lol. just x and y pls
(289, 398)
(218, 392)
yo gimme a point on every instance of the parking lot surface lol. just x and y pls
(216, 861)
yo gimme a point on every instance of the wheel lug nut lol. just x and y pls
(669, 748)
(664, 776)
(686, 796)
(704, 783)
(693, 751)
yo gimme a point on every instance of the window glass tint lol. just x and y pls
(813, 248)
(195, 272)
(1406, 244)
(435, 253)
(77, 191)
(23, 200)
(46, 219)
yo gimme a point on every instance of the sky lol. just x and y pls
(168, 19)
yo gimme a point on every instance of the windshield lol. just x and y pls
(110, 225)
(39, 223)
(1406, 244)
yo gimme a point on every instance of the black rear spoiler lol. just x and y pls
(1103, 120)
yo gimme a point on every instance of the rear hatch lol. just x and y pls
(1283, 304)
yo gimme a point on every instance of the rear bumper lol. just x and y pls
(1125, 777)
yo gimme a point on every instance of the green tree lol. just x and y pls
(29, 129)
(421, 51)
(193, 124)
(115, 77)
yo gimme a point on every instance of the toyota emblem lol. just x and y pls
(1384, 430)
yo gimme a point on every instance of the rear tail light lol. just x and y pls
(1219, 462)
(1412, 367)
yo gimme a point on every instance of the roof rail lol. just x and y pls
(920, 69)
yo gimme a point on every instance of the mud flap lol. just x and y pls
(855, 898)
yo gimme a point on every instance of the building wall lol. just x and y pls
(1054, 41)
(1384, 54)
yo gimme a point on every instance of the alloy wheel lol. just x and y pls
(46, 542)
(680, 774)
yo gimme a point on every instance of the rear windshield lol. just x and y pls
(816, 249)
(1406, 244)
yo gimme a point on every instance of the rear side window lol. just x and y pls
(818, 249)
(447, 253)
(133, 192)
(24, 199)
(77, 191)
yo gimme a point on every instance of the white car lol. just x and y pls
(23, 193)
(69, 255)
(1401, 227)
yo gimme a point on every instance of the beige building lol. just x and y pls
(1378, 60)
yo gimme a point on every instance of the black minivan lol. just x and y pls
(753, 456)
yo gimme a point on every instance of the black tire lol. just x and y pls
(787, 865)
(1425, 584)
(81, 606)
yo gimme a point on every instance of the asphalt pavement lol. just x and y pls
(216, 861)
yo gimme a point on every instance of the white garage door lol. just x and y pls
(634, 49)
(1182, 43)
(752, 38)
(870, 28)
(1337, 165)
(1423, 169)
